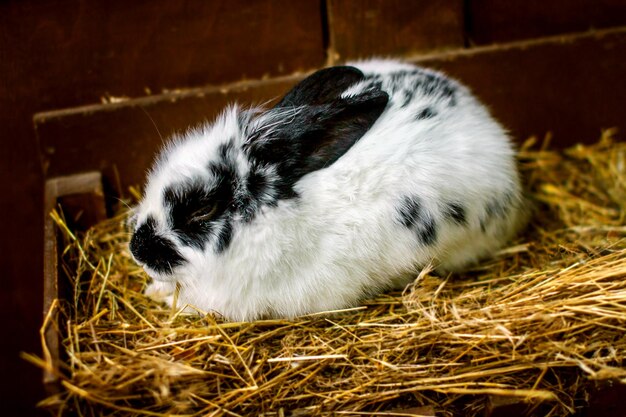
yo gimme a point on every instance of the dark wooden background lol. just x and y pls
(174, 61)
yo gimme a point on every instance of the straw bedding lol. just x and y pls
(540, 321)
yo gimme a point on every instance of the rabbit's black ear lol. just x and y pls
(322, 86)
(327, 132)
(310, 138)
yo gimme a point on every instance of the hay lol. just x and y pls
(538, 322)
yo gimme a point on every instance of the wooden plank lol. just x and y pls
(82, 199)
(362, 28)
(82, 50)
(490, 21)
(571, 86)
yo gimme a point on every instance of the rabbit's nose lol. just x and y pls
(156, 252)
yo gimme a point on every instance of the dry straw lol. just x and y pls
(540, 321)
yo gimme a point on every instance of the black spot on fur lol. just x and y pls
(187, 206)
(409, 211)
(283, 154)
(456, 213)
(227, 181)
(495, 209)
(155, 251)
(201, 209)
(406, 83)
(224, 237)
(428, 231)
(413, 216)
(246, 206)
(194, 207)
(225, 149)
(397, 77)
(256, 184)
(244, 194)
(427, 113)
(438, 86)
(408, 97)
(264, 191)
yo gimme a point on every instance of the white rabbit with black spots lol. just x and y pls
(358, 178)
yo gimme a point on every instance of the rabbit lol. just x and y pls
(356, 179)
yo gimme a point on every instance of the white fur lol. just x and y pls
(341, 239)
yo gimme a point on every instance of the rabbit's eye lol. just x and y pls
(205, 213)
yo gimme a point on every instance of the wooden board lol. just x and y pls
(490, 21)
(362, 28)
(82, 50)
(571, 86)
(82, 199)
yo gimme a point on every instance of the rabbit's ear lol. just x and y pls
(302, 140)
(322, 86)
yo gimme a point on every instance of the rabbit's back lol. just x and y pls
(434, 180)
